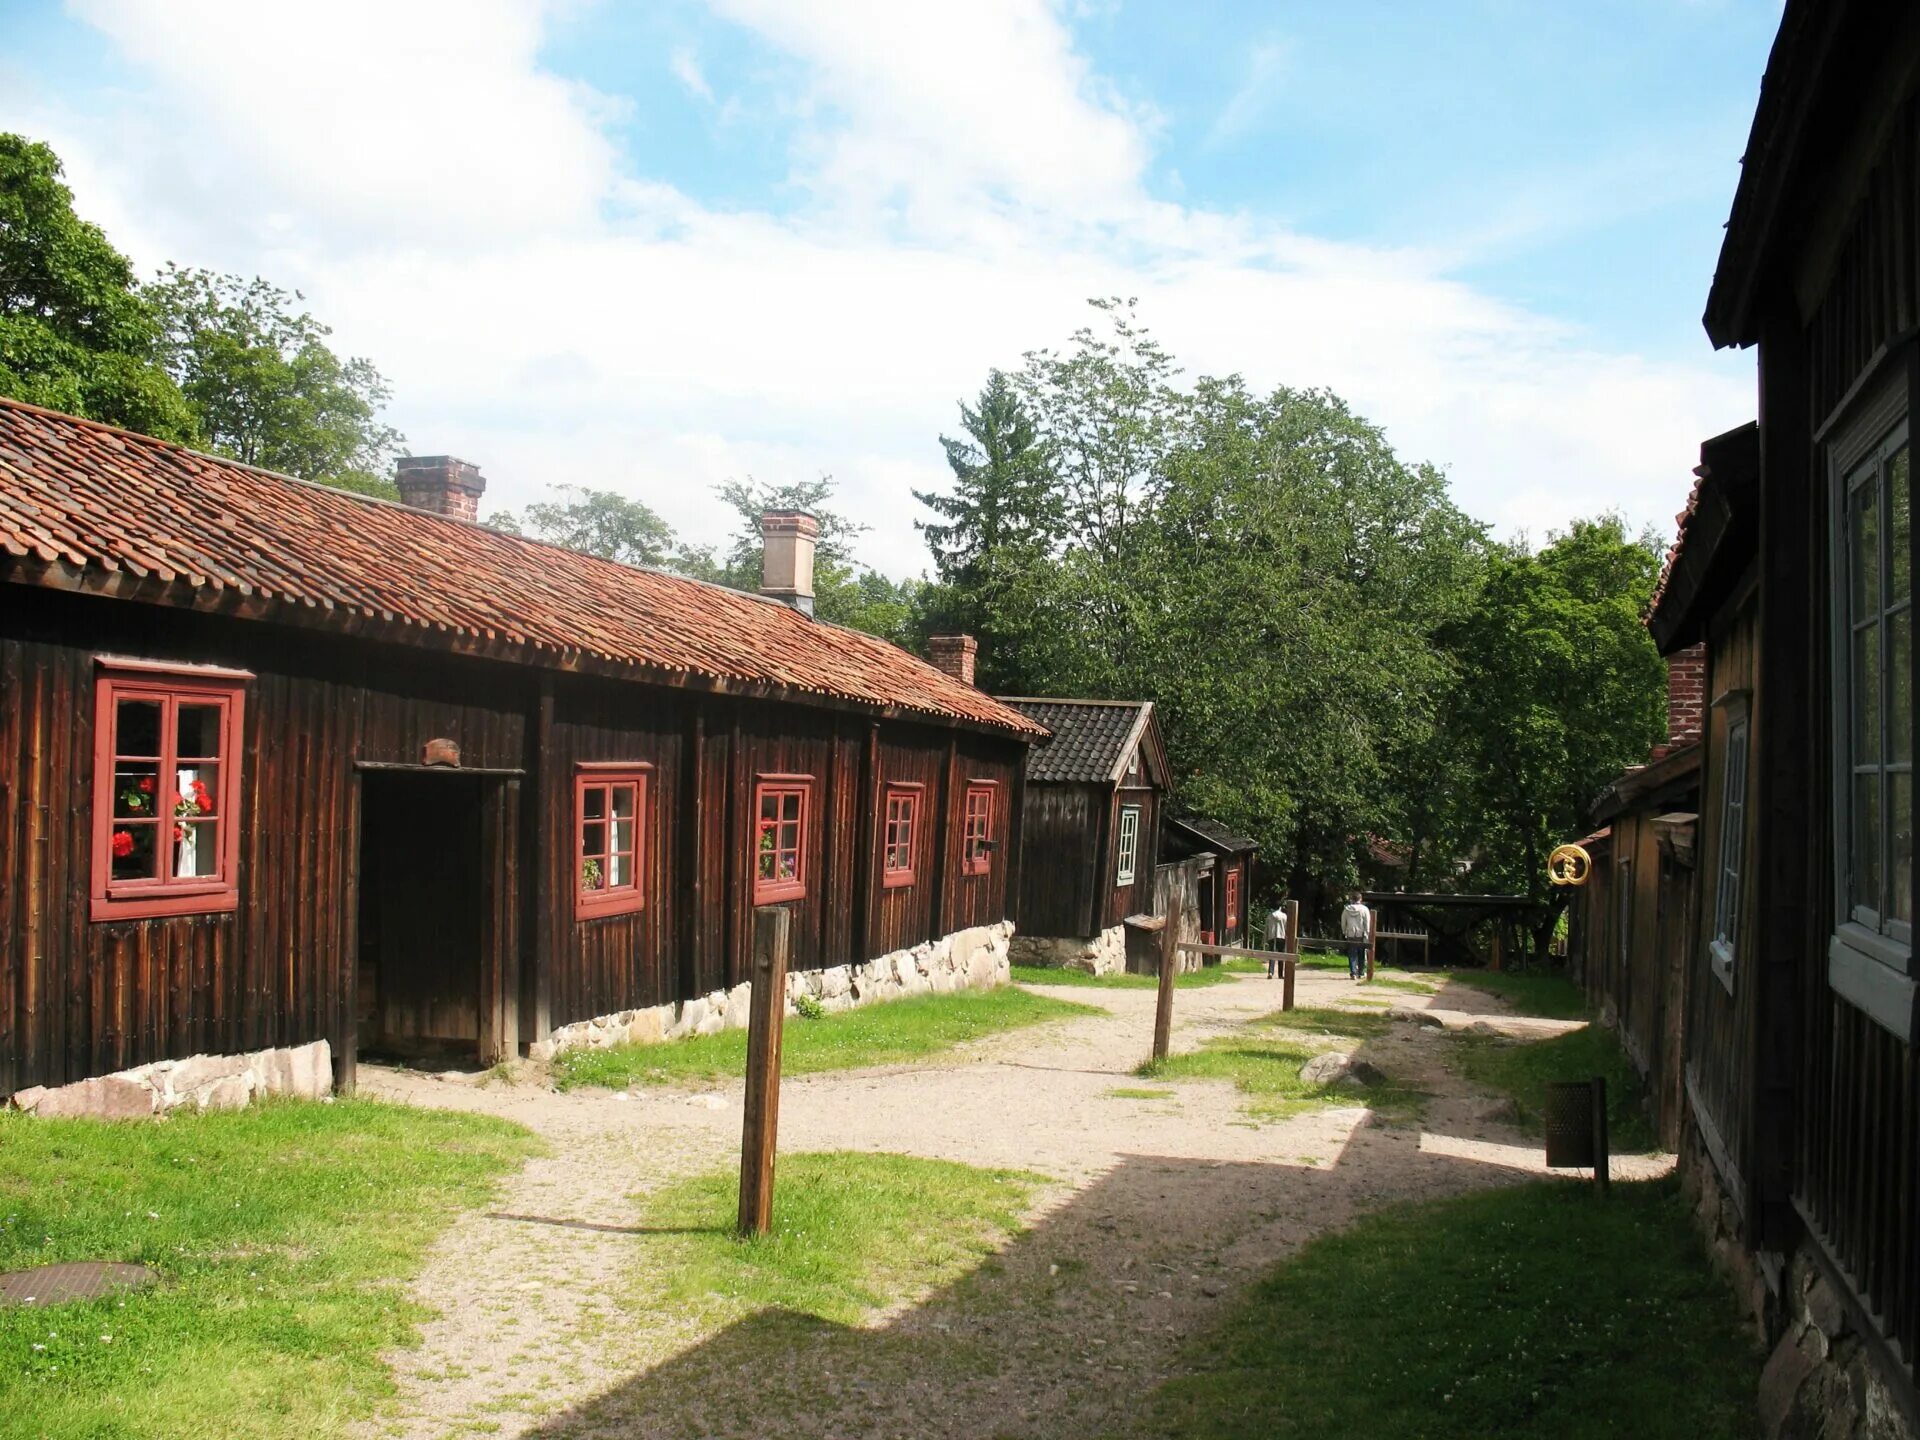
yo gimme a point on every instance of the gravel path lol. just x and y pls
(1160, 1212)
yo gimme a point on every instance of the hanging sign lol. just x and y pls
(1569, 865)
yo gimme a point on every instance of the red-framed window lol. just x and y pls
(610, 824)
(166, 790)
(976, 847)
(1233, 897)
(900, 834)
(781, 806)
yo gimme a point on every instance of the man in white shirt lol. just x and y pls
(1276, 937)
(1356, 928)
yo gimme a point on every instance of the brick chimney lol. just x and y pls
(441, 484)
(1686, 694)
(954, 654)
(786, 569)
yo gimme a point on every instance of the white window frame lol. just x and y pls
(1869, 955)
(1129, 857)
(1730, 863)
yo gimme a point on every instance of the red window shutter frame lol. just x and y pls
(622, 899)
(167, 686)
(976, 823)
(906, 795)
(771, 891)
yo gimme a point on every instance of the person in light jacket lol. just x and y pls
(1276, 937)
(1356, 928)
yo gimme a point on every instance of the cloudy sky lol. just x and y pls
(650, 246)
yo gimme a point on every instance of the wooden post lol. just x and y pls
(1373, 944)
(1601, 1158)
(1498, 930)
(1169, 962)
(772, 937)
(1292, 947)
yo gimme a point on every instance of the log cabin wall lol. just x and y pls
(1838, 1129)
(1064, 873)
(80, 998)
(1136, 898)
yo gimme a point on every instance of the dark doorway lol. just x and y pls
(422, 915)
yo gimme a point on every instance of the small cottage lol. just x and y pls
(281, 765)
(1092, 819)
(1225, 889)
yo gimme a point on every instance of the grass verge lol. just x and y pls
(889, 1034)
(1192, 980)
(852, 1232)
(1265, 1057)
(1523, 1068)
(1551, 996)
(284, 1235)
(1541, 1310)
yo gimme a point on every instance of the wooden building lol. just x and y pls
(1631, 924)
(1802, 1134)
(280, 763)
(1094, 796)
(1226, 891)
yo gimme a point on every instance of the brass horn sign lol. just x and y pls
(1569, 865)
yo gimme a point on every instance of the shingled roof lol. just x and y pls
(84, 506)
(1091, 738)
(1212, 833)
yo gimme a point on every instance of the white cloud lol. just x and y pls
(1265, 62)
(685, 66)
(459, 214)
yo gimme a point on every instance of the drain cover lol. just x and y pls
(80, 1280)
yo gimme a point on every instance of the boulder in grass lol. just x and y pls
(1339, 1068)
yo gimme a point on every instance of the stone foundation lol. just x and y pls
(1821, 1380)
(200, 1082)
(1104, 954)
(975, 959)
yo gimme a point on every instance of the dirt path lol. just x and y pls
(1160, 1212)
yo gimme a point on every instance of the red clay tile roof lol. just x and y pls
(86, 505)
(1681, 523)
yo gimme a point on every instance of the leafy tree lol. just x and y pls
(75, 332)
(267, 388)
(1557, 688)
(598, 522)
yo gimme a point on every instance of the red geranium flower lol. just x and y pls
(146, 785)
(122, 844)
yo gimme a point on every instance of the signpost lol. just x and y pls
(772, 939)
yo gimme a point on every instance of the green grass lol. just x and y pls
(1057, 975)
(1551, 996)
(851, 1233)
(1542, 1310)
(283, 1234)
(1137, 1092)
(1264, 1061)
(1522, 1069)
(889, 1034)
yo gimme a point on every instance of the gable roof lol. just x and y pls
(1716, 538)
(84, 506)
(1093, 740)
(1212, 834)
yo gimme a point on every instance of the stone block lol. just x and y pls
(229, 1092)
(105, 1097)
(646, 1028)
(29, 1098)
(1826, 1310)
(200, 1071)
(1786, 1371)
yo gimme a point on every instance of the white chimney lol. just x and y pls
(786, 572)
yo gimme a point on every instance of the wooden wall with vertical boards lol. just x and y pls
(323, 714)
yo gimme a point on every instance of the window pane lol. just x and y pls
(196, 848)
(1900, 687)
(1900, 835)
(623, 801)
(593, 874)
(1866, 840)
(134, 856)
(769, 805)
(1900, 503)
(619, 869)
(136, 788)
(623, 835)
(790, 808)
(137, 729)
(1865, 506)
(593, 802)
(198, 732)
(593, 838)
(196, 790)
(1866, 694)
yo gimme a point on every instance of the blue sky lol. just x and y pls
(654, 246)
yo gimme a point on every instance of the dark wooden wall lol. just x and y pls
(79, 998)
(1137, 898)
(1061, 879)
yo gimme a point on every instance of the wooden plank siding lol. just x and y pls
(1138, 897)
(80, 998)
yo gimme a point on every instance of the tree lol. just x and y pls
(267, 389)
(75, 332)
(598, 522)
(1557, 689)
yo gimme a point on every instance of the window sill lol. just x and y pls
(164, 905)
(601, 907)
(896, 879)
(774, 894)
(1875, 986)
(1720, 961)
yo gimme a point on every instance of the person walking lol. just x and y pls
(1276, 938)
(1356, 928)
